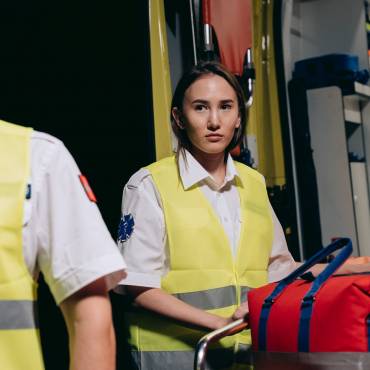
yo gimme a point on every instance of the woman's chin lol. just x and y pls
(209, 150)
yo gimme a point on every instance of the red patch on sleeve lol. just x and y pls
(85, 184)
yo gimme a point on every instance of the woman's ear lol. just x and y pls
(176, 114)
(237, 125)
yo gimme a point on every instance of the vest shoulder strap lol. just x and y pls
(244, 171)
(7, 128)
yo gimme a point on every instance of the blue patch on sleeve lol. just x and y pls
(28, 191)
(125, 228)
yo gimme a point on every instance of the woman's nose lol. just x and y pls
(213, 120)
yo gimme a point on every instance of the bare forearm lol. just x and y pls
(91, 336)
(163, 303)
(346, 268)
(93, 344)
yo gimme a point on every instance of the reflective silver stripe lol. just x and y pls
(18, 315)
(182, 360)
(312, 361)
(219, 359)
(243, 293)
(211, 298)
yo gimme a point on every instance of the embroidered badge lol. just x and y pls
(125, 228)
(28, 191)
(87, 188)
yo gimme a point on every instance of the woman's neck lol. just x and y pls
(214, 164)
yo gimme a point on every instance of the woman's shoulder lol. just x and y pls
(249, 171)
(143, 177)
(163, 164)
(138, 178)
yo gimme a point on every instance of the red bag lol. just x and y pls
(328, 314)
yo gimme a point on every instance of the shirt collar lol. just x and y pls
(192, 172)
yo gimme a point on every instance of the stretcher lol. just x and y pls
(312, 323)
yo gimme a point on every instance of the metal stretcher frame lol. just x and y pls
(285, 360)
(203, 344)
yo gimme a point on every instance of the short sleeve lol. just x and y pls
(74, 245)
(281, 262)
(142, 234)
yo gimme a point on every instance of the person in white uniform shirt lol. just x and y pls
(146, 252)
(64, 236)
(203, 285)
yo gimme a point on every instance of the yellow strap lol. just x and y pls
(264, 116)
(161, 79)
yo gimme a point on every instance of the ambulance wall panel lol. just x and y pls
(329, 26)
(328, 142)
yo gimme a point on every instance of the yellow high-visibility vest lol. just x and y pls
(202, 270)
(20, 347)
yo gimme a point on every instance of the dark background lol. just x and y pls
(80, 70)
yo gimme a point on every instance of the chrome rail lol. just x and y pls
(202, 346)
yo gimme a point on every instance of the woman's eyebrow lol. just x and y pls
(202, 101)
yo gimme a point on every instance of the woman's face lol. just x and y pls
(210, 114)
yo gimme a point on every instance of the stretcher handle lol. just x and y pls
(249, 67)
(206, 12)
(202, 346)
(207, 26)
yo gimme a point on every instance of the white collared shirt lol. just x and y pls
(146, 251)
(63, 232)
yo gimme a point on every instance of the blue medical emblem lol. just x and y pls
(28, 191)
(125, 227)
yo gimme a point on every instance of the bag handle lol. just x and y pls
(309, 298)
(344, 243)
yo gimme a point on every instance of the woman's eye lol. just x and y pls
(200, 107)
(226, 106)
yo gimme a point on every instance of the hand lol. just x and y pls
(241, 312)
(363, 260)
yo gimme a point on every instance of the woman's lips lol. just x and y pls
(214, 137)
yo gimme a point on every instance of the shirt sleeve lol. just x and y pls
(143, 244)
(281, 262)
(74, 245)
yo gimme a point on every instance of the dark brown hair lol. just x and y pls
(199, 70)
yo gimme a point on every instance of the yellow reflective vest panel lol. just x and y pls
(203, 271)
(19, 338)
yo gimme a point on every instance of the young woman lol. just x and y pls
(197, 230)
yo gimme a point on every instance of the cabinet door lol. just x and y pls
(361, 201)
(328, 141)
